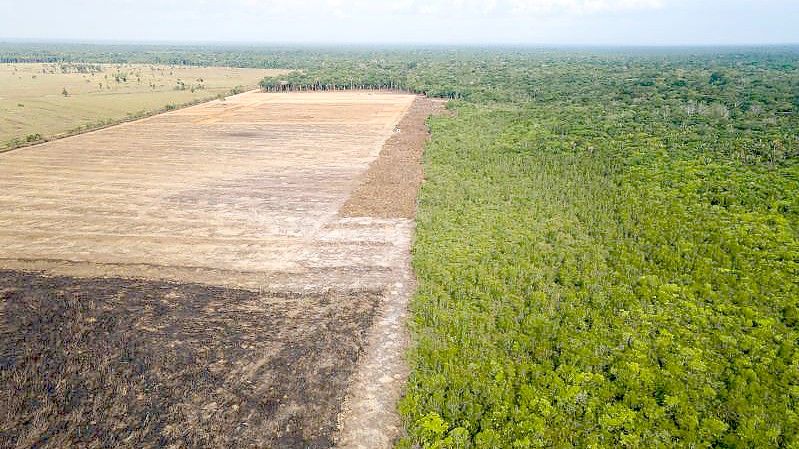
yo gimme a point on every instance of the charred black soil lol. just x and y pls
(133, 363)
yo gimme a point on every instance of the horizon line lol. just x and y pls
(320, 44)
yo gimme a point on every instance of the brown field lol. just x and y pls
(194, 280)
(32, 100)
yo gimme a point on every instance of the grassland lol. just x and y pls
(39, 101)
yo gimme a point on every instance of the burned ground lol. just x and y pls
(133, 363)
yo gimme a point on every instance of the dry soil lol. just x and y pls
(195, 279)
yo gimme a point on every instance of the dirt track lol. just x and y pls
(188, 280)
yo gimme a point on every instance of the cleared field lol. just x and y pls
(199, 259)
(50, 99)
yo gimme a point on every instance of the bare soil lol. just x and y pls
(388, 189)
(195, 279)
(242, 193)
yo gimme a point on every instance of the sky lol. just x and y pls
(471, 22)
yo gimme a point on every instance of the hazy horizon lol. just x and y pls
(570, 23)
(388, 44)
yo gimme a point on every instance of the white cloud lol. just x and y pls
(581, 6)
(449, 8)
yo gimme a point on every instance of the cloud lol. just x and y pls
(450, 8)
(581, 6)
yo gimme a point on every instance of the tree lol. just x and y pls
(718, 78)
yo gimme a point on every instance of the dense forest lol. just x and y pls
(607, 240)
(615, 262)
